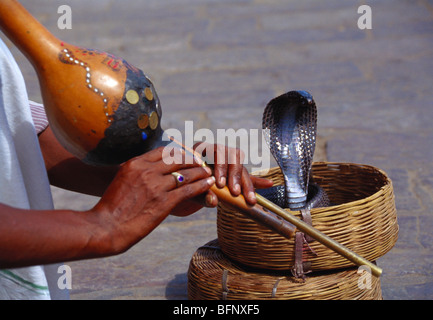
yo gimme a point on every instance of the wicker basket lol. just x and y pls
(363, 218)
(212, 276)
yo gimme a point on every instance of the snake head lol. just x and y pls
(290, 123)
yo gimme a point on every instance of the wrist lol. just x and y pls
(103, 241)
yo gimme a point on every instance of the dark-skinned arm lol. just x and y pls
(140, 196)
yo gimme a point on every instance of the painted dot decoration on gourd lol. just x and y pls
(68, 57)
(143, 121)
(132, 96)
(153, 120)
(134, 120)
(148, 94)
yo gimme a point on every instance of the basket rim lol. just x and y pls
(342, 206)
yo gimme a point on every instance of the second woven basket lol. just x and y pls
(212, 276)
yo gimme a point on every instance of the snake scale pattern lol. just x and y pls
(290, 126)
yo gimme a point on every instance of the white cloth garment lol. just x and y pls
(23, 180)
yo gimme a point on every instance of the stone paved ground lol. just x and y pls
(218, 62)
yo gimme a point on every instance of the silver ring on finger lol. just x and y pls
(180, 179)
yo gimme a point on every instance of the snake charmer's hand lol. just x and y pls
(145, 191)
(228, 171)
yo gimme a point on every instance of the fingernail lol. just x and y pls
(208, 170)
(209, 199)
(237, 188)
(251, 196)
(211, 180)
(222, 181)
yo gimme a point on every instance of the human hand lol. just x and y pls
(229, 170)
(144, 192)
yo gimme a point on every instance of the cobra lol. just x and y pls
(290, 123)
